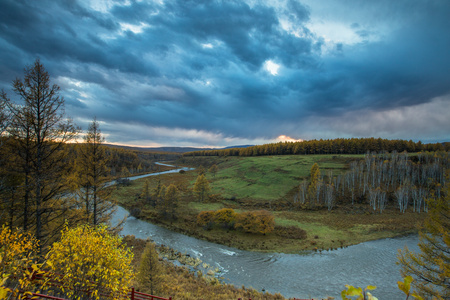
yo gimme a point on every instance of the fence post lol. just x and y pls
(132, 293)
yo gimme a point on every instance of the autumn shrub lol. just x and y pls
(225, 217)
(244, 221)
(205, 219)
(17, 262)
(89, 262)
(260, 221)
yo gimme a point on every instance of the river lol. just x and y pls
(310, 275)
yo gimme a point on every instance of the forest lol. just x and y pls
(377, 180)
(334, 146)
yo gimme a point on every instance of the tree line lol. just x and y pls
(379, 180)
(331, 146)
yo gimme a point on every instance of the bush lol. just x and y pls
(261, 221)
(225, 217)
(205, 219)
(135, 212)
(16, 259)
(123, 182)
(89, 262)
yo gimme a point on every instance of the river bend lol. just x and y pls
(293, 275)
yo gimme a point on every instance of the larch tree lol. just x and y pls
(170, 201)
(201, 170)
(42, 129)
(201, 187)
(145, 195)
(431, 266)
(125, 173)
(149, 273)
(213, 169)
(92, 172)
(4, 115)
(314, 184)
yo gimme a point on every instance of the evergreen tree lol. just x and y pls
(431, 266)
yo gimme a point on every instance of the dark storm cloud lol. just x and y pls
(200, 68)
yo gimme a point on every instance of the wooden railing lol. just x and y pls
(141, 296)
(132, 294)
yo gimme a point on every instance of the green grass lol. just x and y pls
(270, 177)
(198, 206)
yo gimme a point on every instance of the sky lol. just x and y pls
(208, 73)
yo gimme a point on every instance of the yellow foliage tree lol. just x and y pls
(201, 187)
(148, 276)
(90, 262)
(17, 262)
(431, 266)
(170, 200)
(314, 182)
(145, 195)
(213, 169)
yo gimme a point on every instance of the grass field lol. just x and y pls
(249, 183)
(269, 177)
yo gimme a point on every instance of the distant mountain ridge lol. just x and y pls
(173, 149)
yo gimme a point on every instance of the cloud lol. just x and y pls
(203, 71)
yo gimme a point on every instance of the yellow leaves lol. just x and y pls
(358, 292)
(16, 261)
(91, 259)
(260, 221)
(225, 217)
(405, 287)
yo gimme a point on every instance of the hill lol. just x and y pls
(173, 149)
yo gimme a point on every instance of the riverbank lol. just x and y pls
(310, 275)
(179, 282)
(325, 230)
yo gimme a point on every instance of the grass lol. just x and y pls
(252, 183)
(269, 177)
(198, 206)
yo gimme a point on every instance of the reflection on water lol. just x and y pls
(301, 276)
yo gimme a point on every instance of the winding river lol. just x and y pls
(315, 275)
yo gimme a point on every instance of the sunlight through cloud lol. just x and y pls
(271, 67)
